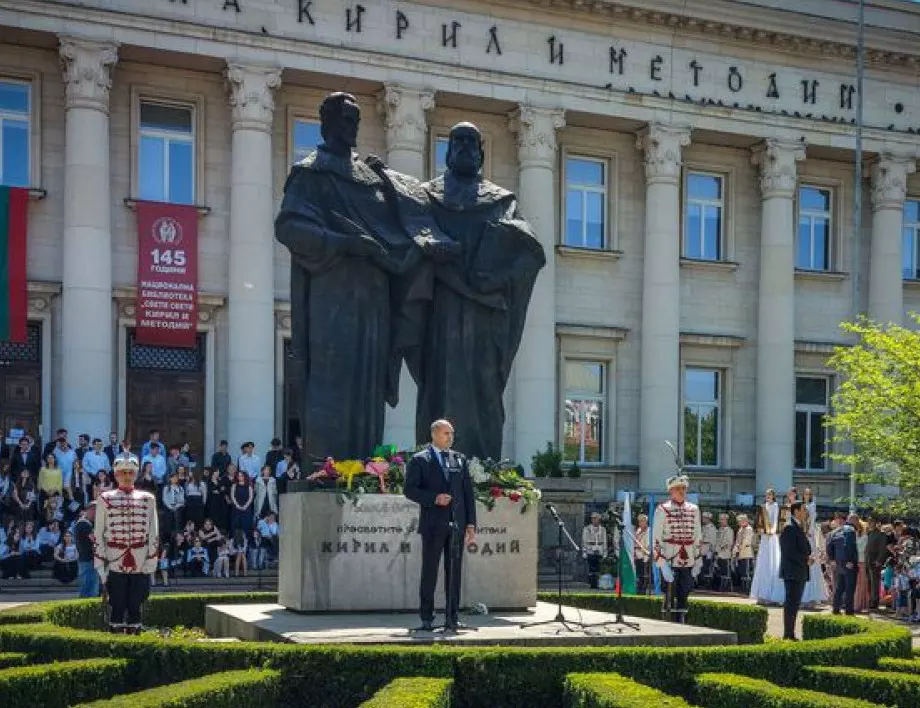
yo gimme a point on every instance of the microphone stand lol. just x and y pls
(560, 618)
(618, 603)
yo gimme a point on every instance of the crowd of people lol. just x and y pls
(220, 519)
(857, 564)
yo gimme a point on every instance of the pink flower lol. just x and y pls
(514, 496)
(397, 460)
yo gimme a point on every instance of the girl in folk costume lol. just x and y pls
(767, 587)
(126, 546)
(785, 512)
(815, 590)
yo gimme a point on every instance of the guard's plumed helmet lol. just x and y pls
(678, 480)
(126, 462)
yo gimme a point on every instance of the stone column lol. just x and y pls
(86, 290)
(535, 365)
(251, 293)
(660, 342)
(404, 111)
(776, 314)
(889, 187)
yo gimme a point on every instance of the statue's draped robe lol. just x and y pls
(341, 304)
(472, 331)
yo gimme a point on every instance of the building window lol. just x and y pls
(813, 245)
(166, 161)
(305, 137)
(585, 411)
(704, 212)
(702, 403)
(15, 133)
(911, 240)
(440, 155)
(810, 411)
(585, 202)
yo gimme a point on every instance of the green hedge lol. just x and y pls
(904, 666)
(230, 689)
(416, 692)
(880, 686)
(58, 685)
(23, 614)
(614, 691)
(749, 622)
(732, 691)
(12, 658)
(167, 610)
(519, 676)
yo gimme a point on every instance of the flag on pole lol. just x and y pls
(14, 300)
(627, 564)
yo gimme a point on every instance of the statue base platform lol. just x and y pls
(368, 557)
(275, 623)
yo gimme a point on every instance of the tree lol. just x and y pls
(875, 418)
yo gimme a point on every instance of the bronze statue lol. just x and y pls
(384, 268)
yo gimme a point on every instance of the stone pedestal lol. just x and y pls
(344, 558)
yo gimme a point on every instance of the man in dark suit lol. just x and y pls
(25, 458)
(841, 551)
(438, 479)
(795, 557)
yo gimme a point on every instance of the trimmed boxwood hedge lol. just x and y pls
(904, 666)
(415, 692)
(12, 658)
(230, 689)
(749, 622)
(732, 691)
(62, 684)
(882, 686)
(614, 691)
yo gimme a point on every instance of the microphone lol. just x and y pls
(552, 510)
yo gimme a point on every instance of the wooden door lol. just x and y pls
(166, 391)
(21, 383)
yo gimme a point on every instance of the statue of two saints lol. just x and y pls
(386, 269)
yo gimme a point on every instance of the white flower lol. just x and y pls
(478, 472)
(537, 493)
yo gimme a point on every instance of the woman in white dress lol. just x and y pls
(767, 587)
(815, 590)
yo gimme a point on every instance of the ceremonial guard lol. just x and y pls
(641, 554)
(708, 548)
(743, 551)
(676, 538)
(594, 546)
(725, 543)
(126, 546)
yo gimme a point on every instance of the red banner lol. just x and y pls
(167, 274)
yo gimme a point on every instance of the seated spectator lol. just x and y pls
(196, 559)
(146, 481)
(222, 564)
(48, 538)
(7, 482)
(238, 549)
(12, 564)
(287, 471)
(177, 550)
(162, 567)
(190, 532)
(268, 529)
(65, 560)
(25, 498)
(70, 508)
(210, 538)
(257, 554)
(30, 548)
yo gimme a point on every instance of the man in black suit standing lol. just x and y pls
(795, 557)
(25, 458)
(438, 479)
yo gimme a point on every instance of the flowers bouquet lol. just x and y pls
(494, 480)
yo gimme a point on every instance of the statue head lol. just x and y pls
(464, 150)
(339, 117)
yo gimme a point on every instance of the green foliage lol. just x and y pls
(904, 666)
(10, 659)
(23, 614)
(877, 409)
(412, 693)
(574, 471)
(547, 463)
(58, 685)
(749, 622)
(230, 689)
(881, 686)
(732, 691)
(614, 691)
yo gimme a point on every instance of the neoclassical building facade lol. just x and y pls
(688, 167)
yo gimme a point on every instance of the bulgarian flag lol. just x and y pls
(14, 301)
(627, 565)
